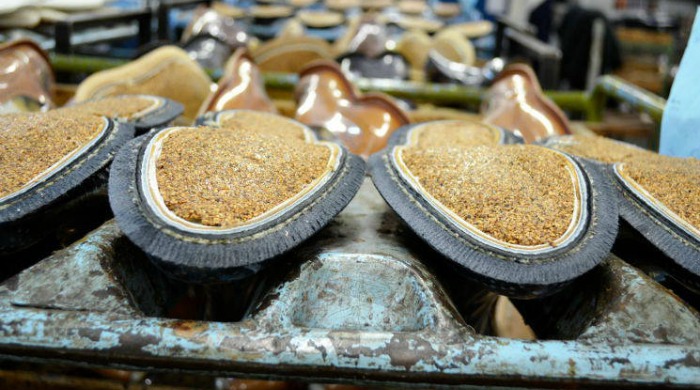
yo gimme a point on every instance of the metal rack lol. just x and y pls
(81, 29)
(589, 103)
(361, 302)
(364, 301)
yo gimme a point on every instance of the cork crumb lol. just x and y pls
(30, 144)
(675, 182)
(455, 134)
(125, 107)
(518, 194)
(227, 176)
(260, 122)
(599, 148)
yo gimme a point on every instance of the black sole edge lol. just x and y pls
(202, 258)
(23, 219)
(489, 268)
(681, 250)
(160, 117)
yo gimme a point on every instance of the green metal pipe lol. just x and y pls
(433, 93)
(591, 103)
(620, 90)
(569, 100)
(638, 98)
(83, 64)
(438, 94)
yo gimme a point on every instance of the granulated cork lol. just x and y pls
(258, 122)
(32, 143)
(598, 148)
(114, 107)
(518, 194)
(225, 176)
(456, 134)
(675, 182)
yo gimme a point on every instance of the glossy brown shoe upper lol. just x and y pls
(516, 102)
(241, 87)
(26, 78)
(327, 100)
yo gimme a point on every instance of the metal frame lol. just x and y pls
(590, 103)
(356, 303)
(67, 32)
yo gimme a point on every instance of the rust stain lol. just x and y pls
(188, 329)
(572, 368)
(406, 355)
(135, 342)
(90, 334)
(690, 360)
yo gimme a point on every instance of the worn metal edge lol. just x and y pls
(315, 353)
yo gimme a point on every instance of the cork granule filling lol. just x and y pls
(455, 134)
(30, 144)
(599, 148)
(675, 182)
(253, 121)
(521, 195)
(227, 176)
(125, 107)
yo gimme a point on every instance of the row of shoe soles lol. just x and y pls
(520, 227)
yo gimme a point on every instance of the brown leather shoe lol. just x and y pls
(516, 102)
(327, 100)
(26, 78)
(240, 87)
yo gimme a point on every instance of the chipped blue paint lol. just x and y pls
(51, 286)
(411, 333)
(481, 357)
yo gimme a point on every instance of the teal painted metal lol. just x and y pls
(266, 348)
(590, 103)
(357, 304)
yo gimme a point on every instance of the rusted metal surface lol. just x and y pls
(358, 304)
(101, 273)
(634, 309)
(50, 284)
(615, 304)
